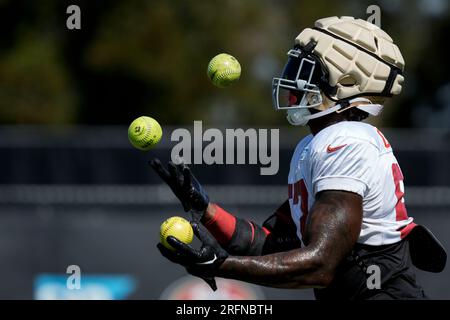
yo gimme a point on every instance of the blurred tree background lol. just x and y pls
(149, 57)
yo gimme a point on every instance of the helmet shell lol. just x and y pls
(360, 59)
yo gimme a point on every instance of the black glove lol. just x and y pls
(202, 263)
(184, 185)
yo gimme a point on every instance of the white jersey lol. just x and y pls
(356, 157)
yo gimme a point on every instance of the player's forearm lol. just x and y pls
(332, 231)
(300, 268)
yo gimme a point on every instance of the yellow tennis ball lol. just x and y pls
(177, 227)
(144, 133)
(224, 70)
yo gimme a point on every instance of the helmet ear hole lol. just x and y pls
(347, 81)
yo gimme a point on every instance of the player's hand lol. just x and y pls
(203, 262)
(184, 185)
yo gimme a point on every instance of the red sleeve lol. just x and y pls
(222, 225)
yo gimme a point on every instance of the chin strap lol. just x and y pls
(301, 116)
(369, 107)
(372, 109)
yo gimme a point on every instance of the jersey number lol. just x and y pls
(400, 208)
(298, 191)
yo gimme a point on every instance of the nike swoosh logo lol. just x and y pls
(331, 149)
(210, 261)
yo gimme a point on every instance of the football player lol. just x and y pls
(345, 217)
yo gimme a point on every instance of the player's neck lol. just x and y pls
(316, 125)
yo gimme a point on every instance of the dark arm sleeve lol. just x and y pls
(244, 237)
